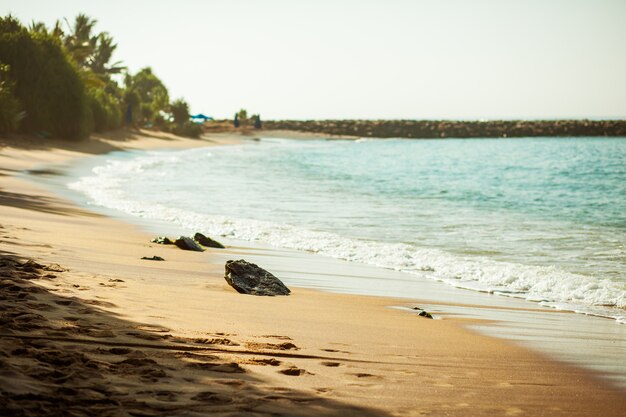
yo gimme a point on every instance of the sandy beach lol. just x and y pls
(89, 328)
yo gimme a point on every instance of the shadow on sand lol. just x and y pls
(40, 204)
(98, 143)
(66, 356)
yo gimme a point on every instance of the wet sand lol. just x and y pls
(90, 328)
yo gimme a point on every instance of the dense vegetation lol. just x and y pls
(61, 82)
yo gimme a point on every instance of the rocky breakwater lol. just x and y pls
(429, 129)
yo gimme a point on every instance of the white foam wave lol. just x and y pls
(549, 285)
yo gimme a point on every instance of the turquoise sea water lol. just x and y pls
(542, 219)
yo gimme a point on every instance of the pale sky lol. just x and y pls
(371, 59)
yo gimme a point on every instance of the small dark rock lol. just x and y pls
(188, 243)
(293, 371)
(426, 314)
(207, 241)
(153, 258)
(248, 278)
(162, 240)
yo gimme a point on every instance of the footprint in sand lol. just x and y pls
(273, 336)
(120, 351)
(99, 303)
(216, 341)
(228, 368)
(212, 398)
(156, 329)
(145, 336)
(289, 399)
(281, 389)
(167, 396)
(97, 333)
(331, 364)
(294, 371)
(335, 351)
(323, 390)
(198, 356)
(231, 383)
(179, 340)
(147, 369)
(272, 346)
(261, 361)
(138, 362)
(365, 375)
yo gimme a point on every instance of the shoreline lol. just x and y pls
(150, 218)
(394, 351)
(154, 225)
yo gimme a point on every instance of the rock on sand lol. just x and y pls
(248, 278)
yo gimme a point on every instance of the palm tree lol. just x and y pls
(80, 42)
(57, 31)
(38, 27)
(91, 52)
(99, 59)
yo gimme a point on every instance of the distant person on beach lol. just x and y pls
(129, 114)
(236, 120)
(257, 122)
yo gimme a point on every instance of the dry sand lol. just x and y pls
(88, 328)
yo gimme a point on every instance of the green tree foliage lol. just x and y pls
(153, 96)
(106, 110)
(80, 42)
(100, 57)
(46, 82)
(180, 111)
(90, 51)
(243, 116)
(182, 125)
(11, 112)
(58, 81)
(40, 27)
(188, 129)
